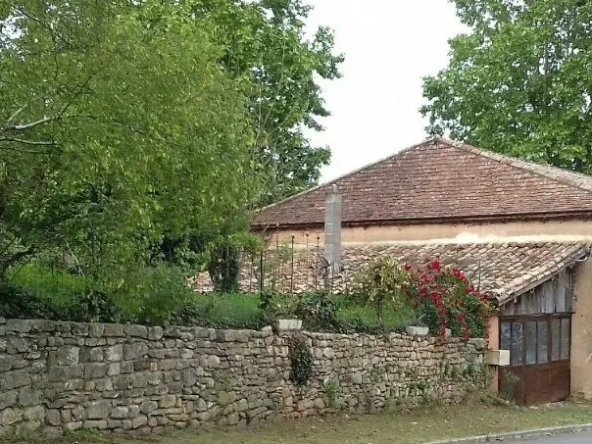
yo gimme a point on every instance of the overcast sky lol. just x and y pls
(389, 46)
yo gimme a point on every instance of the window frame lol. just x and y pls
(526, 323)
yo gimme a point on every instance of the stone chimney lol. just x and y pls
(333, 230)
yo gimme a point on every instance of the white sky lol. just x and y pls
(389, 46)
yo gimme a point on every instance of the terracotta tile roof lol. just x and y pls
(440, 179)
(503, 270)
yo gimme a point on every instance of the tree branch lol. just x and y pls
(16, 113)
(26, 126)
(27, 142)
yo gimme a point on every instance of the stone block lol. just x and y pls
(212, 361)
(119, 412)
(155, 333)
(136, 331)
(98, 410)
(95, 371)
(63, 374)
(114, 369)
(10, 416)
(134, 351)
(18, 325)
(6, 363)
(100, 425)
(67, 355)
(8, 398)
(80, 329)
(113, 330)
(233, 335)
(114, 353)
(96, 330)
(36, 413)
(168, 401)
(28, 397)
(14, 379)
(52, 417)
(148, 407)
(139, 421)
(16, 345)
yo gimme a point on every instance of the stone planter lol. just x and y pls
(287, 324)
(418, 331)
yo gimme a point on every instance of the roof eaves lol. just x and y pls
(541, 275)
(431, 220)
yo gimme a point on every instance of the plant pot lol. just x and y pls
(418, 331)
(287, 324)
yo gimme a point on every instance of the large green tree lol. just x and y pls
(265, 44)
(520, 82)
(118, 128)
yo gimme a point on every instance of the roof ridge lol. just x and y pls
(351, 173)
(559, 175)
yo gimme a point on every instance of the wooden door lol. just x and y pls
(539, 370)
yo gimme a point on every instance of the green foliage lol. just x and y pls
(18, 303)
(519, 81)
(119, 127)
(59, 285)
(301, 360)
(152, 296)
(381, 284)
(223, 311)
(332, 392)
(265, 45)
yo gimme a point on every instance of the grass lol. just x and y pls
(220, 311)
(420, 426)
(44, 282)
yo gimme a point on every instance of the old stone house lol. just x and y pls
(521, 228)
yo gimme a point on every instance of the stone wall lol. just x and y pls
(66, 376)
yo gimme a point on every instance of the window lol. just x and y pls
(555, 339)
(530, 337)
(542, 342)
(511, 339)
(535, 340)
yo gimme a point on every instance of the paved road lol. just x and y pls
(580, 438)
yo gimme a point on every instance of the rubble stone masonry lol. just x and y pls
(57, 376)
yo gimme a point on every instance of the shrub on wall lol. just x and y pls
(383, 284)
(443, 297)
(449, 300)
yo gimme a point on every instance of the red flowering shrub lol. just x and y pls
(447, 299)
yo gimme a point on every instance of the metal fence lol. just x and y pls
(284, 268)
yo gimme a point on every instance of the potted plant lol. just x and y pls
(419, 327)
(283, 317)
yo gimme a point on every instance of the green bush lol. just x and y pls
(151, 296)
(223, 311)
(160, 296)
(18, 303)
(60, 286)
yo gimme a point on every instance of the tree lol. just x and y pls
(118, 128)
(520, 81)
(264, 45)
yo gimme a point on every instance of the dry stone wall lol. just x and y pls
(57, 376)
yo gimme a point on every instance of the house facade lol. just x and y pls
(527, 226)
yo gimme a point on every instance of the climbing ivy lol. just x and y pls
(301, 360)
